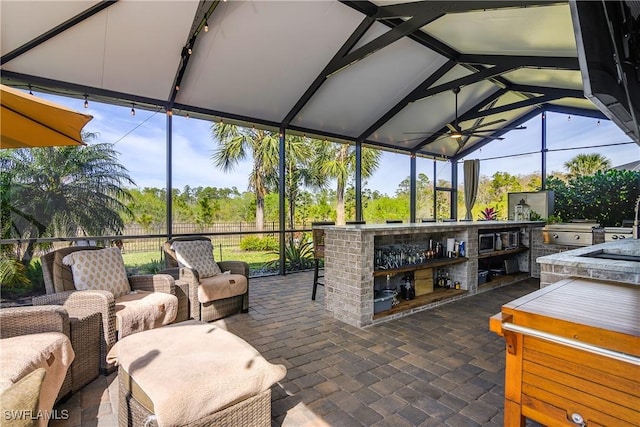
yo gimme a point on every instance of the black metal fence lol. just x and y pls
(224, 234)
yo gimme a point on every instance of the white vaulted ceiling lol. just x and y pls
(373, 72)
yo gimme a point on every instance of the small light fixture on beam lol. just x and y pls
(86, 101)
(569, 118)
(187, 116)
(133, 109)
(598, 123)
(206, 26)
(30, 91)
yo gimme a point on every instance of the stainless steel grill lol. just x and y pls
(612, 234)
(572, 233)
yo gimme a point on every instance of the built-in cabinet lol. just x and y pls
(363, 259)
(510, 259)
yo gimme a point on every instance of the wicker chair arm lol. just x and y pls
(189, 281)
(89, 299)
(153, 283)
(96, 300)
(173, 272)
(236, 267)
(17, 321)
(183, 273)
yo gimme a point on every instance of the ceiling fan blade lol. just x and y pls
(454, 128)
(464, 132)
(422, 138)
(484, 125)
(474, 135)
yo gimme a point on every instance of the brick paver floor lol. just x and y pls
(440, 367)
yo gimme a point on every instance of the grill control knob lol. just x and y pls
(555, 236)
(577, 237)
(614, 237)
(622, 237)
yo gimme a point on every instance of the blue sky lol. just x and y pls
(140, 139)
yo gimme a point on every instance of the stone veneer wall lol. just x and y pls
(538, 249)
(551, 274)
(348, 275)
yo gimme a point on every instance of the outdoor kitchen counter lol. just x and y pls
(349, 254)
(577, 263)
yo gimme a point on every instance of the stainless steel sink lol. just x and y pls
(612, 256)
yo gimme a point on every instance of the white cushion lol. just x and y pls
(196, 254)
(103, 269)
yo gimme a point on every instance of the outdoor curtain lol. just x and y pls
(471, 177)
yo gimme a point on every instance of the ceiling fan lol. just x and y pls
(456, 132)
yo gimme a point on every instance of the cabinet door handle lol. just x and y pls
(579, 345)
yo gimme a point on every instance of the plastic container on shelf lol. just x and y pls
(482, 276)
(383, 300)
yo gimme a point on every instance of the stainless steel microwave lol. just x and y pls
(486, 242)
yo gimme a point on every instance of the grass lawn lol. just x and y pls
(255, 259)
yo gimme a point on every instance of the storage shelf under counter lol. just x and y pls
(511, 251)
(438, 262)
(350, 264)
(421, 302)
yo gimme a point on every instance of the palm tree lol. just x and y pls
(301, 171)
(237, 143)
(587, 164)
(63, 191)
(338, 161)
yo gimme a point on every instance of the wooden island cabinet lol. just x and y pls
(573, 354)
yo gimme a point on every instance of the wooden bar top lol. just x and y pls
(596, 312)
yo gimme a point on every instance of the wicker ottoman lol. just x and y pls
(192, 374)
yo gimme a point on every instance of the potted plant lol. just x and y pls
(489, 214)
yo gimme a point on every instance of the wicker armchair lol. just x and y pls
(18, 321)
(102, 301)
(212, 310)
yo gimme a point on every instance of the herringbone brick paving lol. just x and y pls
(440, 367)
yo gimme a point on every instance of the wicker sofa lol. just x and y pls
(212, 310)
(102, 301)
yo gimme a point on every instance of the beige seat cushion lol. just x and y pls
(23, 354)
(99, 270)
(221, 286)
(19, 402)
(141, 310)
(197, 254)
(192, 369)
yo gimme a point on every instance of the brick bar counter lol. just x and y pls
(351, 275)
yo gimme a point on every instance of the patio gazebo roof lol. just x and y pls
(368, 72)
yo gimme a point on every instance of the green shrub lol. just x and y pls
(149, 268)
(607, 197)
(298, 255)
(13, 274)
(16, 280)
(255, 243)
(34, 273)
